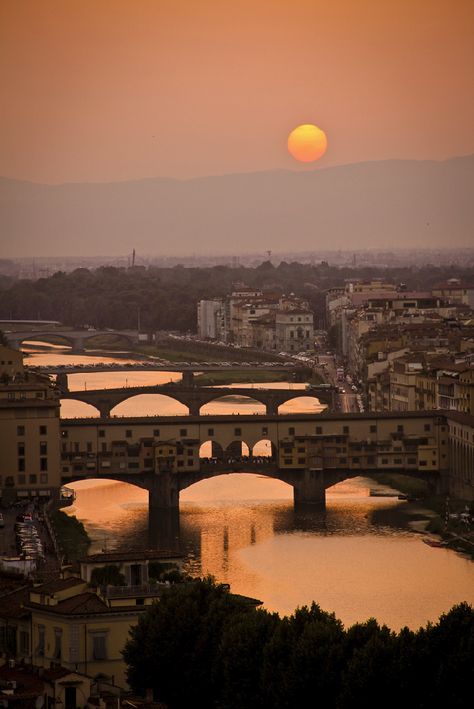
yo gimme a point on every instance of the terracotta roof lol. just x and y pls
(83, 603)
(55, 585)
(12, 603)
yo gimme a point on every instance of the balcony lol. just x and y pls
(141, 591)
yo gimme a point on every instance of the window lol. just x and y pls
(43, 430)
(21, 479)
(43, 464)
(40, 646)
(156, 432)
(33, 479)
(64, 434)
(291, 431)
(355, 460)
(210, 431)
(300, 449)
(21, 449)
(89, 447)
(190, 461)
(128, 433)
(237, 431)
(301, 461)
(24, 642)
(21, 465)
(422, 462)
(43, 448)
(373, 429)
(400, 428)
(319, 430)
(99, 649)
(427, 427)
(397, 461)
(287, 461)
(43, 478)
(20, 430)
(264, 430)
(104, 447)
(345, 429)
(58, 636)
(101, 433)
(384, 461)
(183, 431)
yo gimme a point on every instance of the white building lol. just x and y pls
(210, 317)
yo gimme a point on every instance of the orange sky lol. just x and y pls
(118, 89)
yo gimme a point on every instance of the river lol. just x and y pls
(362, 557)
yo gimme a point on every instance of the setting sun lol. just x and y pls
(307, 143)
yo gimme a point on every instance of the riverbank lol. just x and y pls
(451, 530)
(71, 534)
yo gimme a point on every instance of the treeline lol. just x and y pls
(200, 646)
(166, 297)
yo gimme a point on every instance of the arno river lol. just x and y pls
(363, 557)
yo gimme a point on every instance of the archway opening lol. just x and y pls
(45, 341)
(73, 408)
(211, 452)
(150, 405)
(302, 404)
(265, 450)
(237, 451)
(233, 488)
(230, 404)
(113, 513)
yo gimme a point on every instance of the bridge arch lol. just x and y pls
(44, 337)
(148, 404)
(311, 400)
(72, 407)
(229, 400)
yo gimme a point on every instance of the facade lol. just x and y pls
(263, 320)
(11, 363)
(29, 441)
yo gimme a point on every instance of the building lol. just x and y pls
(257, 319)
(29, 441)
(71, 624)
(11, 364)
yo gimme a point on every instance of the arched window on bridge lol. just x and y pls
(233, 405)
(237, 449)
(264, 449)
(301, 404)
(211, 451)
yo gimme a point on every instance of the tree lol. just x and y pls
(174, 648)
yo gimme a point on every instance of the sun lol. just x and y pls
(307, 143)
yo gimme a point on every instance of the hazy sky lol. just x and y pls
(119, 89)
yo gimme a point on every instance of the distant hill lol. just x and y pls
(391, 203)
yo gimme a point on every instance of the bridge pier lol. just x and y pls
(105, 408)
(163, 491)
(309, 489)
(271, 408)
(188, 378)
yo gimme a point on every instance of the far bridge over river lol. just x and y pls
(165, 455)
(195, 397)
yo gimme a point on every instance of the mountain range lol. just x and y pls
(383, 204)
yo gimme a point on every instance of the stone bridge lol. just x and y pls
(105, 400)
(75, 338)
(165, 455)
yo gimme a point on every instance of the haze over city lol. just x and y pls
(116, 91)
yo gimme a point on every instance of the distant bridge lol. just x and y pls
(104, 400)
(75, 338)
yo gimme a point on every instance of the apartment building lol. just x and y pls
(252, 318)
(29, 441)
